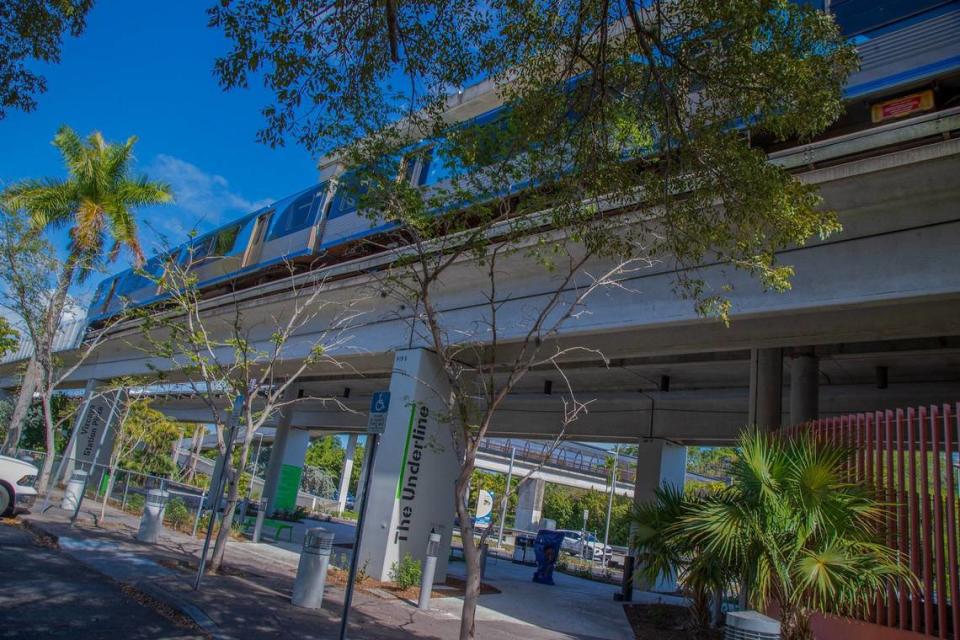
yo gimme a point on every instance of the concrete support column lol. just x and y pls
(804, 388)
(659, 463)
(345, 474)
(416, 466)
(529, 504)
(282, 479)
(766, 388)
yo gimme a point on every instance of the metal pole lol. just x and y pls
(126, 485)
(372, 442)
(613, 491)
(506, 498)
(217, 494)
(196, 520)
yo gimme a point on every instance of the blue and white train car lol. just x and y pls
(909, 50)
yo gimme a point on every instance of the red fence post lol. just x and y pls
(925, 528)
(903, 519)
(950, 441)
(938, 541)
(914, 519)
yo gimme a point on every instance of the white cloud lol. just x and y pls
(206, 195)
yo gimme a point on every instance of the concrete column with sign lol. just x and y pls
(412, 480)
(282, 479)
(344, 489)
(529, 504)
(659, 463)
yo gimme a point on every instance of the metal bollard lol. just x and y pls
(312, 570)
(484, 551)
(429, 568)
(74, 490)
(151, 522)
(258, 525)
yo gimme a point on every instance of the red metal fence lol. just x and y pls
(910, 458)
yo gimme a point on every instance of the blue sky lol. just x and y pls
(146, 69)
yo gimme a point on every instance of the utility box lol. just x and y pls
(751, 625)
(312, 570)
(71, 496)
(523, 550)
(151, 522)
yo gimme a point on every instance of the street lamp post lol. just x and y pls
(613, 491)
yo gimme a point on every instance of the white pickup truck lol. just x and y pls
(16, 485)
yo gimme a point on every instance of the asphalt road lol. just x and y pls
(45, 594)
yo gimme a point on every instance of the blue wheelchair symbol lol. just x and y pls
(380, 402)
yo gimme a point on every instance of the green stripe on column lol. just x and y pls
(406, 447)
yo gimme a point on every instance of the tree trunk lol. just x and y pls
(47, 468)
(43, 354)
(471, 556)
(28, 385)
(233, 496)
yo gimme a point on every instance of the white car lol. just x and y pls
(574, 543)
(16, 485)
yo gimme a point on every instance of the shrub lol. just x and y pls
(176, 515)
(287, 515)
(135, 503)
(406, 573)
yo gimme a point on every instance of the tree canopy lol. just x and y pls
(32, 31)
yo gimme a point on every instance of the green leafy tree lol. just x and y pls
(31, 31)
(801, 535)
(27, 265)
(327, 454)
(714, 462)
(97, 202)
(222, 357)
(639, 128)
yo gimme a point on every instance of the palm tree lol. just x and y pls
(663, 548)
(97, 201)
(803, 537)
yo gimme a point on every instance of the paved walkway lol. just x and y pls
(47, 594)
(252, 599)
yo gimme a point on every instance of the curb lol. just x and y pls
(148, 590)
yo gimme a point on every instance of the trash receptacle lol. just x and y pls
(71, 496)
(523, 549)
(151, 522)
(312, 570)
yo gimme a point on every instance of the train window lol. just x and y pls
(299, 214)
(348, 192)
(859, 16)
(103, 291)
(416, 166)
(139, 278)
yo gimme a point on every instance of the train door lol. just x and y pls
(255, 248)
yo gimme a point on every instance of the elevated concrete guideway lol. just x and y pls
(895, 255)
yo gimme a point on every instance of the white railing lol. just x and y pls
(69, 336)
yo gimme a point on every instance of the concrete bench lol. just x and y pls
(277, 526)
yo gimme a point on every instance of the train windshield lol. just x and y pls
(299, 214)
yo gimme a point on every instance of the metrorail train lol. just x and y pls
(909, 66)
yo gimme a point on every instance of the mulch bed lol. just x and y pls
(659, 622)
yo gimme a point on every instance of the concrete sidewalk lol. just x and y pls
(251, 598)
